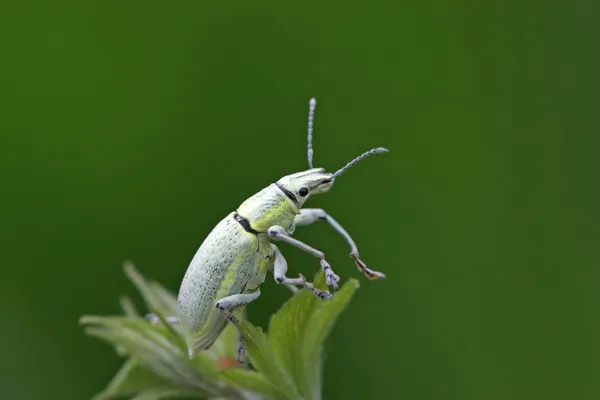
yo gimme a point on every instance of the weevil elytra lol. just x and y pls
(232, 262)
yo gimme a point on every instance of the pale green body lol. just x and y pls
(230, 261)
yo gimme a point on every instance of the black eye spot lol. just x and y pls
(303, 191)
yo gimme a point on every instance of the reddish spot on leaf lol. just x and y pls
(228, 362)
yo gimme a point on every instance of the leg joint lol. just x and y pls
(275, 231)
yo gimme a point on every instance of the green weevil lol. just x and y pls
(232, 262)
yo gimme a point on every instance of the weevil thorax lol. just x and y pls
(280, 202)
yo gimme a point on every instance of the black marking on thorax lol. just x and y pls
(245, 224)
(289, 194)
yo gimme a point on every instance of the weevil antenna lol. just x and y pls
(357, 159)
(312, 104)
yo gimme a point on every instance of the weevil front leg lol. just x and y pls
(309, 215)
(277, 232)
(280, 269)
(230, 303)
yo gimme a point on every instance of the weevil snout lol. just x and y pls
(323, 183)
(301, 185)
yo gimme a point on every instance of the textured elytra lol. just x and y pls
(226, 262)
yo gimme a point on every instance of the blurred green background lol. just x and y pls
(129, 129)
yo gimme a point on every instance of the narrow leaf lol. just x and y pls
(155, 351)
(158, 300)
(128, 307)
(251, 381)
(167, 393)
(164, 297)
(130, 379)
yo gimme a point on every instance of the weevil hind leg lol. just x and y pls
(241, 352)
(277, 232)
(308, 216)
(279, 272)
(227, 305)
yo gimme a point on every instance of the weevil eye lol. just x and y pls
(303, 191)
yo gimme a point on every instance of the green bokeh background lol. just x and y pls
(128, 129)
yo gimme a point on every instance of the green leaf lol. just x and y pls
(288, 360)
(152, 345)
(167, 393)
(319, 281)
(286, 331)
(317, 329)
(130, 379)
(263, 358)
(158, 299)
(128, 307)
(251, 381)
(164, 297)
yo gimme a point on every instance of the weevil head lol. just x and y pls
(300, 186)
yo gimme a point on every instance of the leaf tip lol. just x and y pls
(127, 306)
(354, 283)
(88, 319)
(130, 270)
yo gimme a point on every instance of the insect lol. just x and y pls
(232, 262)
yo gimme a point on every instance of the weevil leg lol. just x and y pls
(280, 269)
(155, 320)
(235, 301)
(230, 303)
(277, 232)
(241, 351)
(308, 216)
(292, 288)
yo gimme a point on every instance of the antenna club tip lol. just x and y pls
(381, 150)
(312, 102)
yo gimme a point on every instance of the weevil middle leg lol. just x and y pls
(291, 287)
(308, 216)
(277, 232)
(280, 269)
